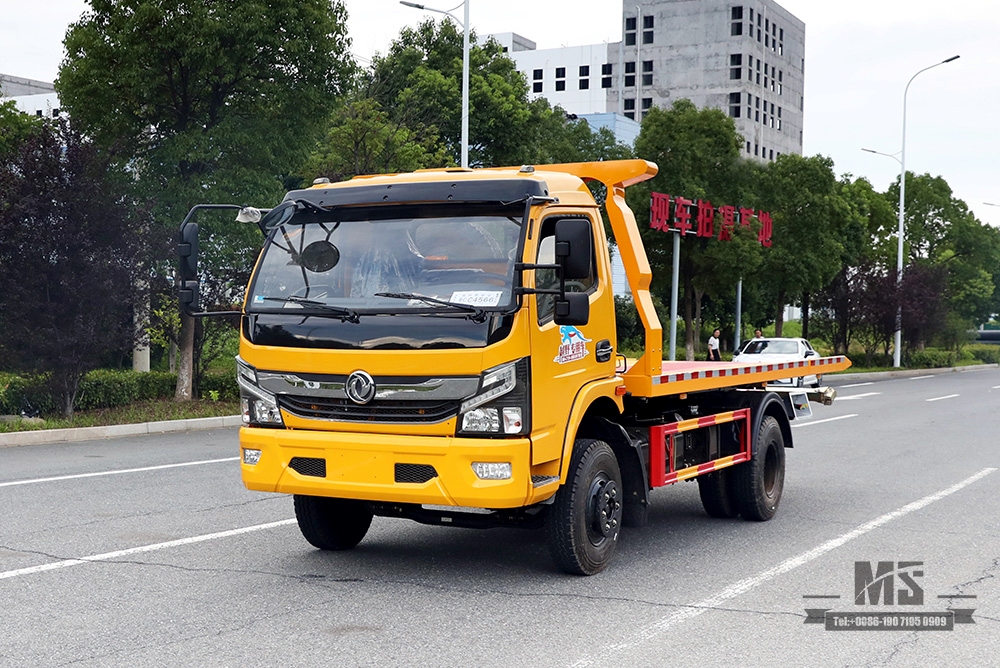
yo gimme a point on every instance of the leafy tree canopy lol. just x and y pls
(75, 243)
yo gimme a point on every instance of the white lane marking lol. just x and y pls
(922, 377)
(839, 417)
(117, 472)
(858, 384)
(858, 396)
(107, 556)
(947, 396)
(660, 626)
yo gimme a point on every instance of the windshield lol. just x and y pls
(378, 265)
(765, 347)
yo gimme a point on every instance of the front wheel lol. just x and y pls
(759, 482)
(585, 519)
(332, 524)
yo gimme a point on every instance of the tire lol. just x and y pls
(759, 482)
(717, 496)
(586, 517)
(332, 524)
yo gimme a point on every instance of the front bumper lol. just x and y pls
(363, 466)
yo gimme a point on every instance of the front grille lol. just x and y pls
(345, 410)
(310, 466)
(415, 473)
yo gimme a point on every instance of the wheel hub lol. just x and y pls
(605, 507)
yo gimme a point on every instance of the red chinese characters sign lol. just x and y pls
(700, 216)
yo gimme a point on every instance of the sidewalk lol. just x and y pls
(907, 373)
(42, 436)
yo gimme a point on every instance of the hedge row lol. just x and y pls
(105, 388)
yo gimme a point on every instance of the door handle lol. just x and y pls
(603, 351)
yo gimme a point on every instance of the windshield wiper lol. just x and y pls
(345, 314)
(476, 314)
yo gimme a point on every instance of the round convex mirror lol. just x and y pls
(319, 256)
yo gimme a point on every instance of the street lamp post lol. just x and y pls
(898, 339)
(465, 68)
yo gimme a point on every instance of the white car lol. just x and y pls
(772, 350)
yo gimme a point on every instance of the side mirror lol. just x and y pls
(573, 248)
(278, 216)
(573, 309)
(187, 295)
(187, 252)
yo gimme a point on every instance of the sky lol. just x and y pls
(860, 54)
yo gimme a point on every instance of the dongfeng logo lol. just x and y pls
(360, 387)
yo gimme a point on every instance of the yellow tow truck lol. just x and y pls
(440, 346)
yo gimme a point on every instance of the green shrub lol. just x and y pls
(223, 384)
(18, 392)
(931, 358)
(985, 353)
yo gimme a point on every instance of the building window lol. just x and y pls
(735, 59)
(737, 14)
(735, 100)
(734, 112)
(750, 29)
(560, 73)
(629, 80)
(584, 70)
(781, 34)
(735, 72)
(647, 73)
(748, 147)
(647, 102)
(537, 87)
(751, 15)
(630, 39)
(605, 82)
(630, 115)
(537, 75)
(606, 69)
(630, 104)
(630, 30)
(736, 29)
(647, 29)
(756, 149)
(560, 84)
(584, 84)
(630, 23)
(771, 153)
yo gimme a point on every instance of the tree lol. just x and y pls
(420, 80)
(813, 222)
(208, 100)
(73, 249)
(362, 138)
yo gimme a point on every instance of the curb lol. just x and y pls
(44, 436)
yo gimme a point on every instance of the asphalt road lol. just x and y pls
(147, 551)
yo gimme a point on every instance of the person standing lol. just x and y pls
(713, 347)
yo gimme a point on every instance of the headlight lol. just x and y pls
(501, 406)
(259, 407)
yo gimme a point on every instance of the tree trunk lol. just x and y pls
(779, 322)
(805, 315)
(185, 363)
(698, 294)
(172, 356)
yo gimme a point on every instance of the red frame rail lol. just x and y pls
(661, 447)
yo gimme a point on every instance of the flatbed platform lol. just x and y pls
(681, 377)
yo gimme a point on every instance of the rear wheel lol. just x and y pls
(716, 491)
(585, 519)
(332, 524)
(759, 482)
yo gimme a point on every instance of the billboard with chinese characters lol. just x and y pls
(699, 216)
